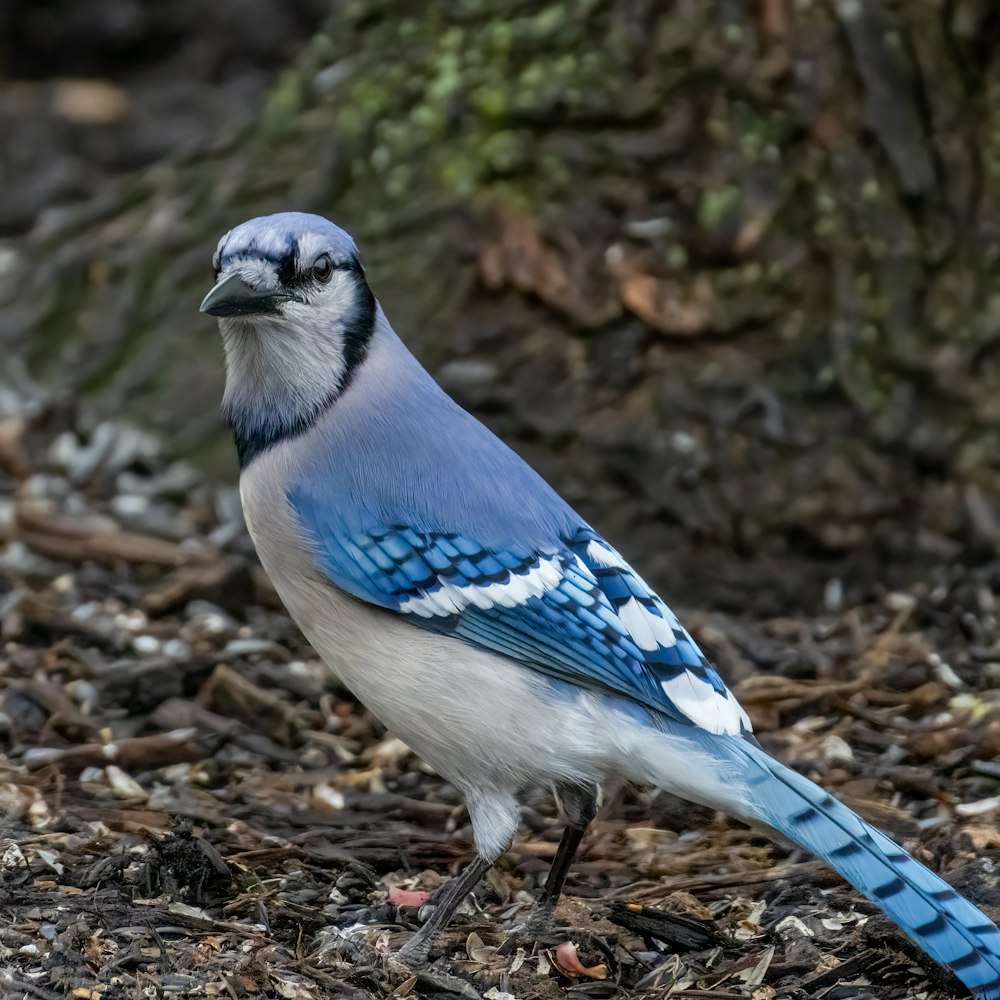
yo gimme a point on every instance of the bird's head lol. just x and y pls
(296, 317)
(288, 265)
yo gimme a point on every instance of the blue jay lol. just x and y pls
(477, 615)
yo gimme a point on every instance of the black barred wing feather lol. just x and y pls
(574, 610)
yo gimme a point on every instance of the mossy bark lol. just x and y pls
(726, 272)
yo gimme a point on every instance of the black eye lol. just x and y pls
(323, 267)
(216, 263)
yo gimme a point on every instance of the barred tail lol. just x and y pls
(944, 924)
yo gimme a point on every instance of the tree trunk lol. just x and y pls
(725, 272)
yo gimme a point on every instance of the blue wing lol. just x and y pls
(574, 610)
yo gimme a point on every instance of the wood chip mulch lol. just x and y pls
(192, 809)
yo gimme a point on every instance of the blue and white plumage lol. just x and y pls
(472, 610)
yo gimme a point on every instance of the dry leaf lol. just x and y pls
(569, 964)
(552, 265)
(477, 950)
(407, 897)
(667, 305)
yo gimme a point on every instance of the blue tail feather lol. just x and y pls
(944, 924)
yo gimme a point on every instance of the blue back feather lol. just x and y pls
(375, 454)
(490, 554)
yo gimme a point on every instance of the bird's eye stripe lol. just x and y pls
(287, 267)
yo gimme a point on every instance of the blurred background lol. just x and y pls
(725, 272)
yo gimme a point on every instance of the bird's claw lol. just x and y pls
(538, 925)
(415, 952)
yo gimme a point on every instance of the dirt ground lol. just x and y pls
(193, 809)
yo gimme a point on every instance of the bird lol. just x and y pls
(477, 615)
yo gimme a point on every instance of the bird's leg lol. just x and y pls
(579, 807)
(416, 950)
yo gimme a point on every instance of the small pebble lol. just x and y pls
(132, 620)
(833, 594)
(328, 797)
(84, 693)
(129, 505)
(146, 644)
(209, 617)
(249, 647)
(683, 443)
(86, 611)
(897, 601)
(176, 649)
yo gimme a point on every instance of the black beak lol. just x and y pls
(234, 297)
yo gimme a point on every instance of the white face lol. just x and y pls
(295, 315)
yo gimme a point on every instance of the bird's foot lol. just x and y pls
(541, 920)
(538, 925)
(416, 951)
